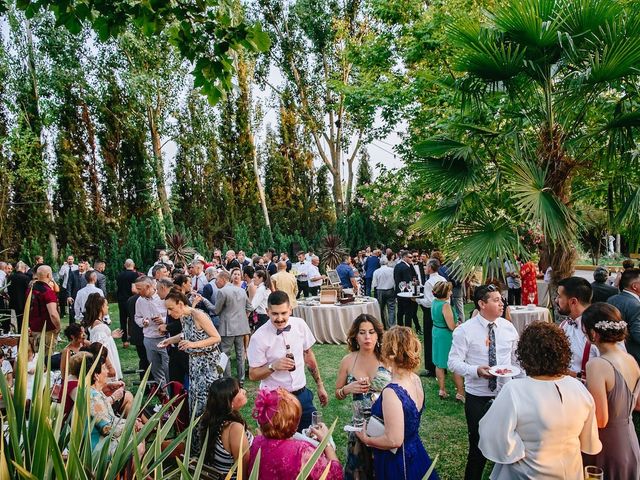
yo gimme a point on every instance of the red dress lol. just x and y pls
(528, 274)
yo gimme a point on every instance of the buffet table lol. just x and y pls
(330, 323)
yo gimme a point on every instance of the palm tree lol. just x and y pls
(542, 86)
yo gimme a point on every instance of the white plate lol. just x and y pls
(351, 428)
(514, 370)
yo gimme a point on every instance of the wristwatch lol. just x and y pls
(270, 367)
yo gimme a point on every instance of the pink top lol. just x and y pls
(283, 459)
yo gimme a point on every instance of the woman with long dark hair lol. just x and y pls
(228, 437)
(96, 309)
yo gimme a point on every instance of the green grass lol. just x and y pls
(443, 428)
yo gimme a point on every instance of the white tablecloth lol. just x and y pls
(331, 323)
(522, 316)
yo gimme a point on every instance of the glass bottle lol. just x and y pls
(289, 354)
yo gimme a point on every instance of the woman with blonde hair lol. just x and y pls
(278, 414)
(445, 320)
(399, 453)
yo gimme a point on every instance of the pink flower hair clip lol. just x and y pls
(266, 406)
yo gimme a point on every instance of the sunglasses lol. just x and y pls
(491, 288)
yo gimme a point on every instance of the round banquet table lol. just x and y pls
(522, 316)
(331, 323)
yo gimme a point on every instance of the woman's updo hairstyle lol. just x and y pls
(605, 320)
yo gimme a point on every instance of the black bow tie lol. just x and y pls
(573, 322)
(285, 329)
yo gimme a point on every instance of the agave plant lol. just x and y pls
(179, 251)
(331, 251)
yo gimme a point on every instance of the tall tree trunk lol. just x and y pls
(53, 240)
(263, 201)
(158, 164)
(94, 181)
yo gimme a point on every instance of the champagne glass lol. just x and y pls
(532, 297)
(593, 473)
(316, 418)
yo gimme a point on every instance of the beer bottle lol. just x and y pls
(289, 354)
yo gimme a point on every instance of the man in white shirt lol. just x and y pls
(425, 302)
(574, 296)
(314, 277)
(478, 344)
(83, 294)
(300, 268)
(151, 313)
(384, 287)
(199, 279)
(278, 352)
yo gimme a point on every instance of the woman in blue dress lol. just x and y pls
(398, 454)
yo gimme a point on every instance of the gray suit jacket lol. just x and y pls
(232, 305)
(101, 283)
(629, 307)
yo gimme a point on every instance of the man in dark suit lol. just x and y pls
(403, 272)
(420, 275)
(18, 284)
(628, 302)
(602, 291)
(124, 281)
(77, 281)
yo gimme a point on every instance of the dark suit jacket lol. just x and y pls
(629, 307)
(422, 277)
(272, 268)
(18, 284)
(602, 292)
(232, 305)
(403, 273)
(77, 281)
(123, 284)
(136, 337)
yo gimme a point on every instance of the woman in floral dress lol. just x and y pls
(198, 338)
(528, 274)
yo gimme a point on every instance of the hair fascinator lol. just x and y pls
(266, 406)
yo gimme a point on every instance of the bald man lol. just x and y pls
(286, 282)
(44, 310)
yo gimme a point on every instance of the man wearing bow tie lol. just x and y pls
(270, 350)
(574, 296)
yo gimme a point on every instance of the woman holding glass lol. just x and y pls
(363, 376)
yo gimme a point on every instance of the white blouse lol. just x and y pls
(537, 429)
(101, 333)
(259, 302)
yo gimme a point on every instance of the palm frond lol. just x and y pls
(541, 206)
(484, 53)
(435, 147)
(532, 23)
(483, 242)
(449, 175)
(630, 211)
(585, 18)
(439, 219)
(624, 120)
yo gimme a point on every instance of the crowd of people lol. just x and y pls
(541, 404)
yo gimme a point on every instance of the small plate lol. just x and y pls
(512, 370)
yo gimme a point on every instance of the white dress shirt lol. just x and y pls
(577, 341)
(65, 272)
(147, 308)
(419, 274)
(81, 300)
(383, 278)
(427, 300)
(313, 272)
(259, 301)
(266, 346)
(301, 268)
(470, 350)
(198, 282)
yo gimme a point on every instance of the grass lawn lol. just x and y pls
(443, 429)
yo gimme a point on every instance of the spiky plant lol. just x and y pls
(331, 251)
(179, 250)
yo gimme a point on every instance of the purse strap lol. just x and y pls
(404, 462)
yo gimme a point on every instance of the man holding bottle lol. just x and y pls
(270, 353)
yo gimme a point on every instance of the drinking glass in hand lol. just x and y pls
(316, 418)
(593, 473)
(532, 297)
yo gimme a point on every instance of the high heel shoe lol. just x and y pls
(460, 398)
(443, 394)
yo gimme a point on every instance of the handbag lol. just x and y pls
(375, 428)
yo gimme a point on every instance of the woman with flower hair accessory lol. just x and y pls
(283, 452)
(613, 379)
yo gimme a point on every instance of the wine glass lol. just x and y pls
(593, 473)
(532, 297)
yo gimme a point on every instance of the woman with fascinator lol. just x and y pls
(613, 379)
(282, 457)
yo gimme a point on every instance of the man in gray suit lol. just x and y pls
(101, 283)
(232, 305)
(628, 302)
